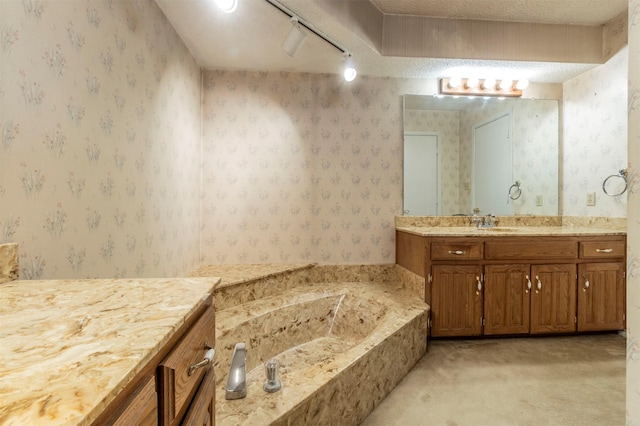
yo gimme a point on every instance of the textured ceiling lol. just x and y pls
(251, 37)
(581, 12)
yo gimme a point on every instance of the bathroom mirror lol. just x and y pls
(496, 155)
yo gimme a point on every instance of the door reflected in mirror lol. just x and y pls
(482, 147)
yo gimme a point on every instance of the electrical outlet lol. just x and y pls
(539, 200)
(591, 198)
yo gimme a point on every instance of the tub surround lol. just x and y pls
(330, 338)
(8, 262)
(68, 347)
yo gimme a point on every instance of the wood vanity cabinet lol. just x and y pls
(503, 285)
(163, 392)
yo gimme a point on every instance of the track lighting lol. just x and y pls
(350, 72)
(294, 39)
(297, 35)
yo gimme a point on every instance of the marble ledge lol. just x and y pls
(9, 266)
(520, 231)
(512, 226)
(233, 274)
(68, 347)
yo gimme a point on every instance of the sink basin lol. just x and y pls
(500, 229)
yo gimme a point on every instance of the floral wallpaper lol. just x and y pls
(100, 147)
(447, 125)
(535, 152)
(301, 167)
(595, 137)
(633, 221)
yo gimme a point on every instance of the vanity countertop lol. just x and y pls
(515, 231)
(68, 347)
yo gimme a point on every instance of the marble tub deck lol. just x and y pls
(323, 362)
(373, 335)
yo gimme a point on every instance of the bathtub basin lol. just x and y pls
(330, 339)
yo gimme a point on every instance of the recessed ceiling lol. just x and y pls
(251, 37)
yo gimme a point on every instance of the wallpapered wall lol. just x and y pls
(100, 150)
(595, 137)
(447, 125)
(535, 152)
(633, 221)
(301, 167)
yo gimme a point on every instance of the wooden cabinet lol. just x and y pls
(503, 285)
(182, 397)
(456, 302)
(507, 299)
(553, 299)
(601, 296)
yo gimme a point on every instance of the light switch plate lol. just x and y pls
(539, 200)
(591, 198)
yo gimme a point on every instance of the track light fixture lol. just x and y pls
(294, 39)
(350, 72)
(297, 35)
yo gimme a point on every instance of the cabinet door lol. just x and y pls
(601, 296)
(456, 303)
(506, 299)
(553, 299)
(202, 409)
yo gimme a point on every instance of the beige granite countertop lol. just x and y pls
(67, 347)
(529, 231)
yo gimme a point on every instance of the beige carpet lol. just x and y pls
(575, 380)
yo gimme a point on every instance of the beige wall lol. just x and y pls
(595, 137)
(100, 150)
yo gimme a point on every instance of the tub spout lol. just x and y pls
(237, 381)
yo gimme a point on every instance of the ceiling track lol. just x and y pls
(282, 8)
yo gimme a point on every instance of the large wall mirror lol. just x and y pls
(494, 156)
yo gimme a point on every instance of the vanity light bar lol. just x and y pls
(447, 87)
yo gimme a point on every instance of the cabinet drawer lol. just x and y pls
(463, 250)
(142, 408)
(527, 250)
(602, 249)
(177, 388)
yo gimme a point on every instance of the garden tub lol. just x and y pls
(342, 347)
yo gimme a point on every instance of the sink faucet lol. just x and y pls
(488, 221)
(237, 381)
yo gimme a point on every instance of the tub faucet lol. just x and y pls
(237, 381)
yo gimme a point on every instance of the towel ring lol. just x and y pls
(621, 175)
(515, 191)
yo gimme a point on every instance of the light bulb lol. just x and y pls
(350, 73)
(489, 84)
(455, 82)
(227, 6)
(506, 84)
(522, 84)
(472, 83)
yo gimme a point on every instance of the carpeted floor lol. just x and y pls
(573, 380)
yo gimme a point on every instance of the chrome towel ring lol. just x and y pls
(515, 191)
(611, 181)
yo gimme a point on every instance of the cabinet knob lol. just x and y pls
(607, 250)
(528, 284)
(586, 285)
(539, 284)
(208, 357)
(479, 285)
(457, 252)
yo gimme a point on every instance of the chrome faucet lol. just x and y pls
(237, 381)
(488, 221)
